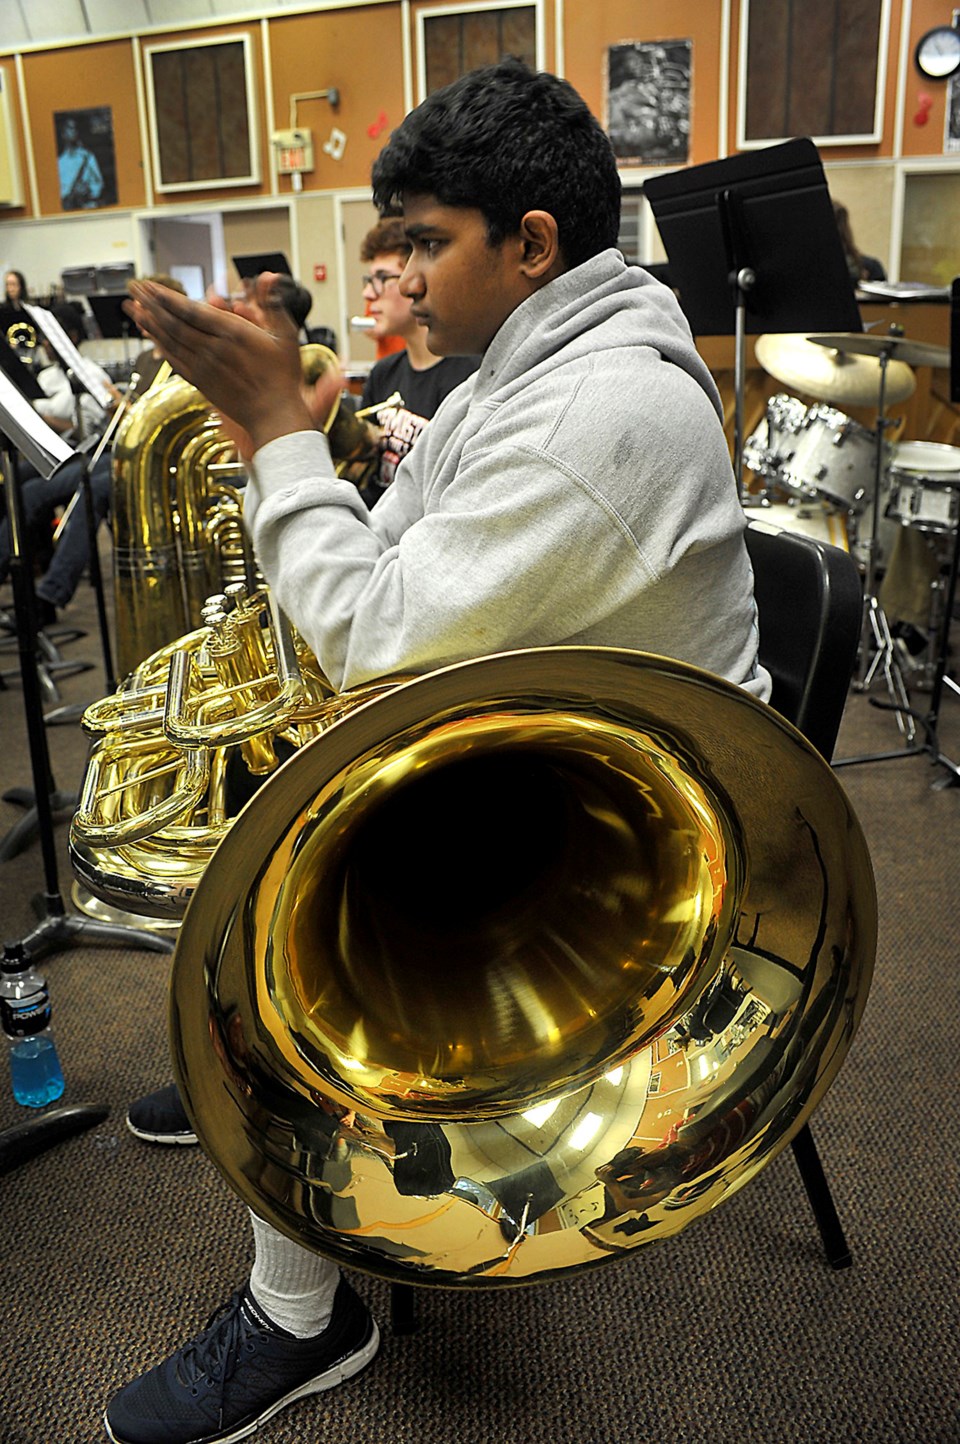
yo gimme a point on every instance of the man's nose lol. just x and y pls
(410, 283)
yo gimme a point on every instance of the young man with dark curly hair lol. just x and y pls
(577, 489)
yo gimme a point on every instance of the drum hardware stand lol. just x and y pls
(875, 626)
(930, 722)
(56, 931)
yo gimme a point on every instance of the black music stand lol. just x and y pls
(30, 389)
(22, 429)
(250, 267)
(753, 246)
(84, 378)
(113, 323)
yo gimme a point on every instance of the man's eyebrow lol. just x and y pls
(417, 231)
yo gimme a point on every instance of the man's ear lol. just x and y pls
(541, 258)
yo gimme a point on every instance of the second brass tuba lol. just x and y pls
(177, 503)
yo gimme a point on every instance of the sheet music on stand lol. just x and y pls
(84, 371)
(28, 431)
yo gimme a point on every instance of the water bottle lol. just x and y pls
(25, 1013)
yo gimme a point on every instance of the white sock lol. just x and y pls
(292, 1285)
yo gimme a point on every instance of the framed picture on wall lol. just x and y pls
(201, 98)
(86, 161)
(452, 39)
(814, 68)
(648, 101)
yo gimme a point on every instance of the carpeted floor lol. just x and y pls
(734, 1331)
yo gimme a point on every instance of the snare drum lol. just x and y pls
(771, 446)
(925, 486)
(834, 457)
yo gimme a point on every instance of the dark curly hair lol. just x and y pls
(506, 140)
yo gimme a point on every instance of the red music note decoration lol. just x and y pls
(925, 102)
(378, 125)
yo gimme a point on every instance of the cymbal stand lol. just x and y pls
(875, 635)
(56, 932)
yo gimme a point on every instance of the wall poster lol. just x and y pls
(648, 101)
(86, 161)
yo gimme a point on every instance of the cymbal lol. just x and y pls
(872, 343)
(831, 375)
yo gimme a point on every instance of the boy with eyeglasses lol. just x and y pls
(421, 378)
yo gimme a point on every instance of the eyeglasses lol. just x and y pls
(379, 281)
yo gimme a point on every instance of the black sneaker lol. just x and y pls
(161, 1118)
(239, 1373)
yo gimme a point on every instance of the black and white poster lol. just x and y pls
(648, 101)
(86, 161)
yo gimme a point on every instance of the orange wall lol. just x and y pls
(358, 53)
(81, 79)
(590, 28)
(924, 112)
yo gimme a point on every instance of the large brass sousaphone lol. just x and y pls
(522, 964)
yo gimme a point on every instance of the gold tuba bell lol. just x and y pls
(505, 970)
(522, 964)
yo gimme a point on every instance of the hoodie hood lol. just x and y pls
(604, 303)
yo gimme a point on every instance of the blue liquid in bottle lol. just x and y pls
(35, 1071)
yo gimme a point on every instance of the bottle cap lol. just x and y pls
(14, 958)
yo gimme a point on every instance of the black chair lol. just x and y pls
(810, 608)
(810, 604)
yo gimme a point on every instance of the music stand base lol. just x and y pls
(23, 832)
(59, 931)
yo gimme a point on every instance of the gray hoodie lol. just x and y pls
(577, 489)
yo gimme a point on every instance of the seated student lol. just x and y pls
(296, 301)
(576, 489)
(861, 267)
(421, 378)
(41, 496)
(60, 406)
(15, 292)
(147, 362)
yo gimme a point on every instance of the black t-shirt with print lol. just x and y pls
(422, 392)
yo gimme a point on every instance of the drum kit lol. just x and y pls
(818, 459)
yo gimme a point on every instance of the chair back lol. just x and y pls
(810, 607)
